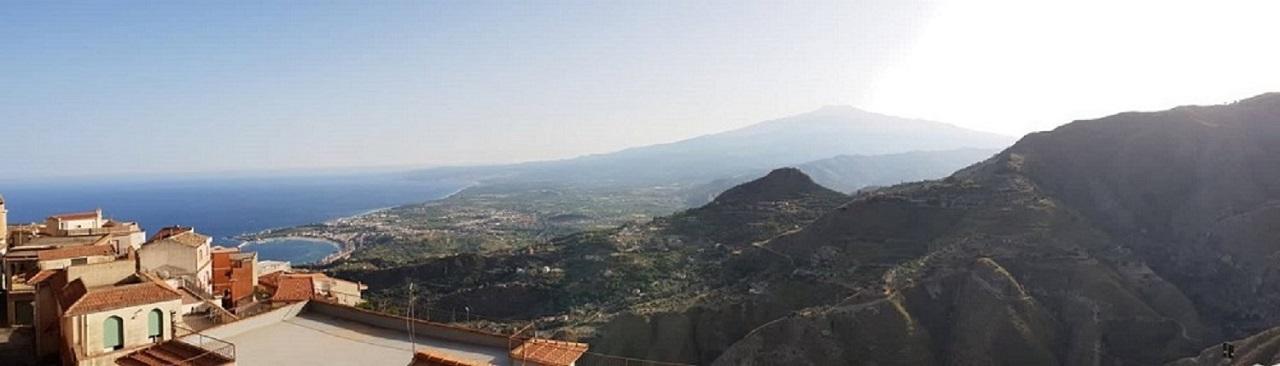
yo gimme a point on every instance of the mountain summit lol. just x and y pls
(756, 210)
(779, 185)
(789, 141)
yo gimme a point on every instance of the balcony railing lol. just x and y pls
(212, 346)
(191, 285)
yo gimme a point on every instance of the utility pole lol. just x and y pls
(413, 343)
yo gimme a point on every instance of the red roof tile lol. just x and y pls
(170, 231)
(40, 276)
(175, 352)
(182, 235)
(270, 279)
(428, 359)
(82, 301)
(293, 289)
(76, 252)
(549, 352)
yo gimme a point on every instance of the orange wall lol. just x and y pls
(227, 276)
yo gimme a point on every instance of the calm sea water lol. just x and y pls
(296, 250)
(224, 208)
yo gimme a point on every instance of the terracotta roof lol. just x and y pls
(76, 252)
(76, 215)
(174, 352)
(270, 279)
(549, 352)
(293, 289)
(40, 276)
(168, 231)
(428, 359)
(191, 239)
(182, 235)
(84, 301)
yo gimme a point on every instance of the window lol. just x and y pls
(155, 325)
(78, 261)
(113, 333)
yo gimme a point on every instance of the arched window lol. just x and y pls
(155, 325)
(113, 333)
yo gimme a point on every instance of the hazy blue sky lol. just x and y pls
(121, 87)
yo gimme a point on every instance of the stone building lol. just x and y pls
(64, 236)
(125, 236)
(180, 253)
(100, 325)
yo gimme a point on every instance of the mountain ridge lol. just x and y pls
(758, 147)
(1137, 238)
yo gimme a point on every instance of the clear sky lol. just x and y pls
(154, 87)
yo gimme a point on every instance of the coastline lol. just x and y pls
(345, 246)
(340, 247)
(335, 244)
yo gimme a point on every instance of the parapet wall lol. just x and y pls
(238, 327)
(397, 323)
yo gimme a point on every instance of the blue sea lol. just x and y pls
(225, 207)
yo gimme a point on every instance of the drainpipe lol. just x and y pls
(173, 325)
(84, 336)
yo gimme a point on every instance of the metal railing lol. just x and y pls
(211, 346)
(195, 288)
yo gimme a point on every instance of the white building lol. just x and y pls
(182, 253)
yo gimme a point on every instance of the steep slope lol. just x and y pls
(1193, 191)
(821, 134)
(1134, 239)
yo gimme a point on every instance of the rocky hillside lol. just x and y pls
(1135, 239)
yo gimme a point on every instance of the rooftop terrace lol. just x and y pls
(318, 339)
(320, 333)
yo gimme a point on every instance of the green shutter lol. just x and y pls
(113, 333)
(154, 323)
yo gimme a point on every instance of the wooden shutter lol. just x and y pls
(113, 333)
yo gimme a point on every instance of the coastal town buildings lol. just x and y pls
(125, 236)
(92, 294)
(180, 253)
(62, 240)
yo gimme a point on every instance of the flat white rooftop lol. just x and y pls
(312, 338)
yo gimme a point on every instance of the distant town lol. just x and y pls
(85, 289)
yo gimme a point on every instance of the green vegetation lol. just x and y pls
(486, 219)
